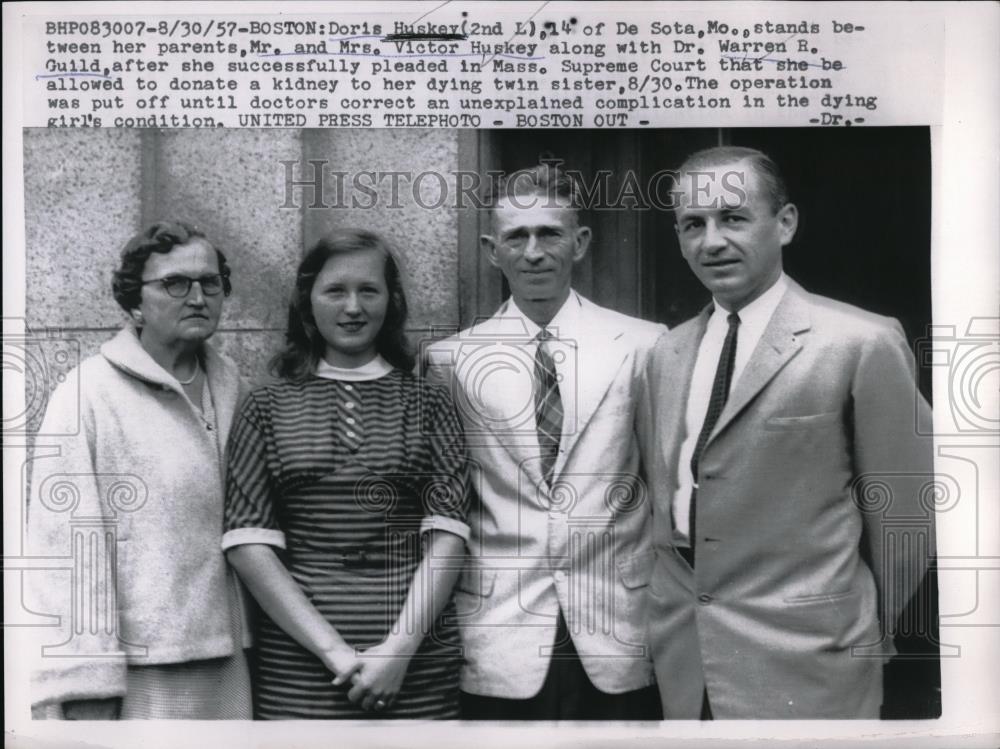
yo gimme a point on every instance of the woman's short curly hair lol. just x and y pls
(162, 237)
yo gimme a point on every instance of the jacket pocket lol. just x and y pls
(628, 615)
(803, 422)
(473, 590)
(637, 570)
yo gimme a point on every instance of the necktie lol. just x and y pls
(548, 405)
(716, 402)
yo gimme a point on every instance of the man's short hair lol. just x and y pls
(547, 180)
(763, 165)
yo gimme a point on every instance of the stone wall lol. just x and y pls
(88, 191)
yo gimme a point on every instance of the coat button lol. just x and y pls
(560, 575)
(704, 599)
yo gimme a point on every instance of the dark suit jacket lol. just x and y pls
(815, 521)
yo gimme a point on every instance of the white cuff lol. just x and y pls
(241, 536)
(447, 524)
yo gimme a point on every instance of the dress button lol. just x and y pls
(350, 420)
(704, 599)
(351, 434)
(348, 387)
(349, 404)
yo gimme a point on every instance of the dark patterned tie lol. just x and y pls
(717, 401)
(548, 405)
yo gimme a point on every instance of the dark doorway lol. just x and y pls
(864, 198)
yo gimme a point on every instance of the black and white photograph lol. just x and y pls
(617, 433)
(610, 246)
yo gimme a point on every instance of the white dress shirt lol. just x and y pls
(753, 320)
(564, 329)
(563, 323)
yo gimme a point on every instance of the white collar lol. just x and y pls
(760, 310)
(373, 370)
(563, 323)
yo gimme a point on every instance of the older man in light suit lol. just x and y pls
(552, 607)
(791, 514)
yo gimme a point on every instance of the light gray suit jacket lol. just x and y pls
(814, 517)
(581, 545)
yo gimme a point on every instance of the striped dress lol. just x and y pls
(345, 477)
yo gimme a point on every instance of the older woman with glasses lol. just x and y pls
(150, 616)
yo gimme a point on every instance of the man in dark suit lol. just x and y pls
(769, 425)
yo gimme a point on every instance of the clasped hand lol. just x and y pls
(375, 675)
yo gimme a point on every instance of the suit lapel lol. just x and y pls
(587, 380)
(776, 347)
(495, 371)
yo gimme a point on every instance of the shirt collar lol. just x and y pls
(759, 311)
(373, 370)
(563, 324)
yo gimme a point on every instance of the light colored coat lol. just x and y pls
(781, 615)
(582, 546)
(126, 515)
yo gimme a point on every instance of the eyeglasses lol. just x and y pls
(180, 286)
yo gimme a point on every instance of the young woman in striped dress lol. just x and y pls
(345, 503)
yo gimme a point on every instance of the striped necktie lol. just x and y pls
(548, 405)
